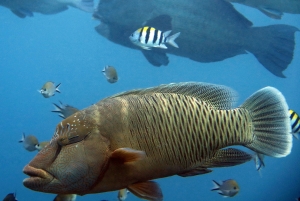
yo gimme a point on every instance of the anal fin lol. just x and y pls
(228, 157)
(148, 190)
(275, 14)
(22, 13)
(194, 172)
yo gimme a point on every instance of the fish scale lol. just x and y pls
(165, 130)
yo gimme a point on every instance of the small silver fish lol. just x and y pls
(41, 145)
(110, 73)
(122, 194)
(148, 37)
(65, 197)
(49, 89)
(228, 188)
(64, 110)
(29, 142)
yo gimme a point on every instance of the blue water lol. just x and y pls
(65, 48)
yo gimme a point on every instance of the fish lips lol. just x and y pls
(38, 178)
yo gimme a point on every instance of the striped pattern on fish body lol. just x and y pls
(295, 122)
(174, 130)
(152, 37)
(148, 37)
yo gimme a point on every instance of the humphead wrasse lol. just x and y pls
(131, 138)
(27, 8)
(211, 31)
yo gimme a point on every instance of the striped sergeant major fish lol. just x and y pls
(148, 37)
(295, 123)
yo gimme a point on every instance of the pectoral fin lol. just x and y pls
(156, 57)
(194, 172)
(22, 13)
(275, 14)
(128, 155)
(148, 190)
(228, 157)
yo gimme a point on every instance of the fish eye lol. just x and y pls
(69, 133)
(234, 187)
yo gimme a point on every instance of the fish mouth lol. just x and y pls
(38, 178)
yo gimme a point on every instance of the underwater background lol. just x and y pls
(65, 48)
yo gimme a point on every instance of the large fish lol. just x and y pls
(211, 30)
(273, 8)
(127, 140)
(26, 8)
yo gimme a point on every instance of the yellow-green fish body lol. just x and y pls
(49, 89)
(29, 142)
(228, 188)
(126, 140)
(110, 73)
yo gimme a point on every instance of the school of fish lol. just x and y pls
(125, 141)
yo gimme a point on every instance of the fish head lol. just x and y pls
(73, 161)
(29, 142)
(230, 188)
(44, 92)
(135, 36)
(231, 193)
(48, 89)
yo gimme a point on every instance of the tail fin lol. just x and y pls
(23, 138)
(57, 89)
(259, 161)
(277, 47)
(271, 123)
(216, 186)
(171, 39)
(85, 5)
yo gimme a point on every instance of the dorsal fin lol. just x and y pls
(218, 96)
